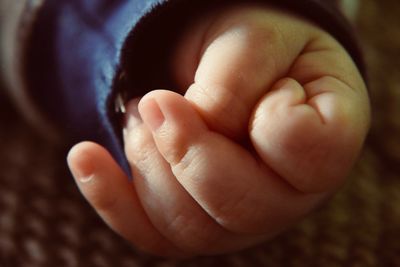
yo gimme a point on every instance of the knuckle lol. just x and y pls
(253, 22)
(241, 215)
(221, 107)
(191, 235)
(174, 145)
(192, 164)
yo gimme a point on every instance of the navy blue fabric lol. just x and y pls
(73, 63)
(75, 55)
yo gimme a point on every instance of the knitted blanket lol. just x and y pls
(45, 222)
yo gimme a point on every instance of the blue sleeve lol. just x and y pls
(72, 62)
(81, 52)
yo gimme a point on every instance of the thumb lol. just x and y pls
(244, 51)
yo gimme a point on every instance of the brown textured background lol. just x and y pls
(45, 222)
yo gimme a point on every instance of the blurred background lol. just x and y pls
(45, 222)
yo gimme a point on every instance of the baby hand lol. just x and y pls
(273, 115)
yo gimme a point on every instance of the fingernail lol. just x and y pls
(86, 179)
(153, 116)
(132, 116)
(81, 167)
(84, 173)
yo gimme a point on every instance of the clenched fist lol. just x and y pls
(270, 115)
